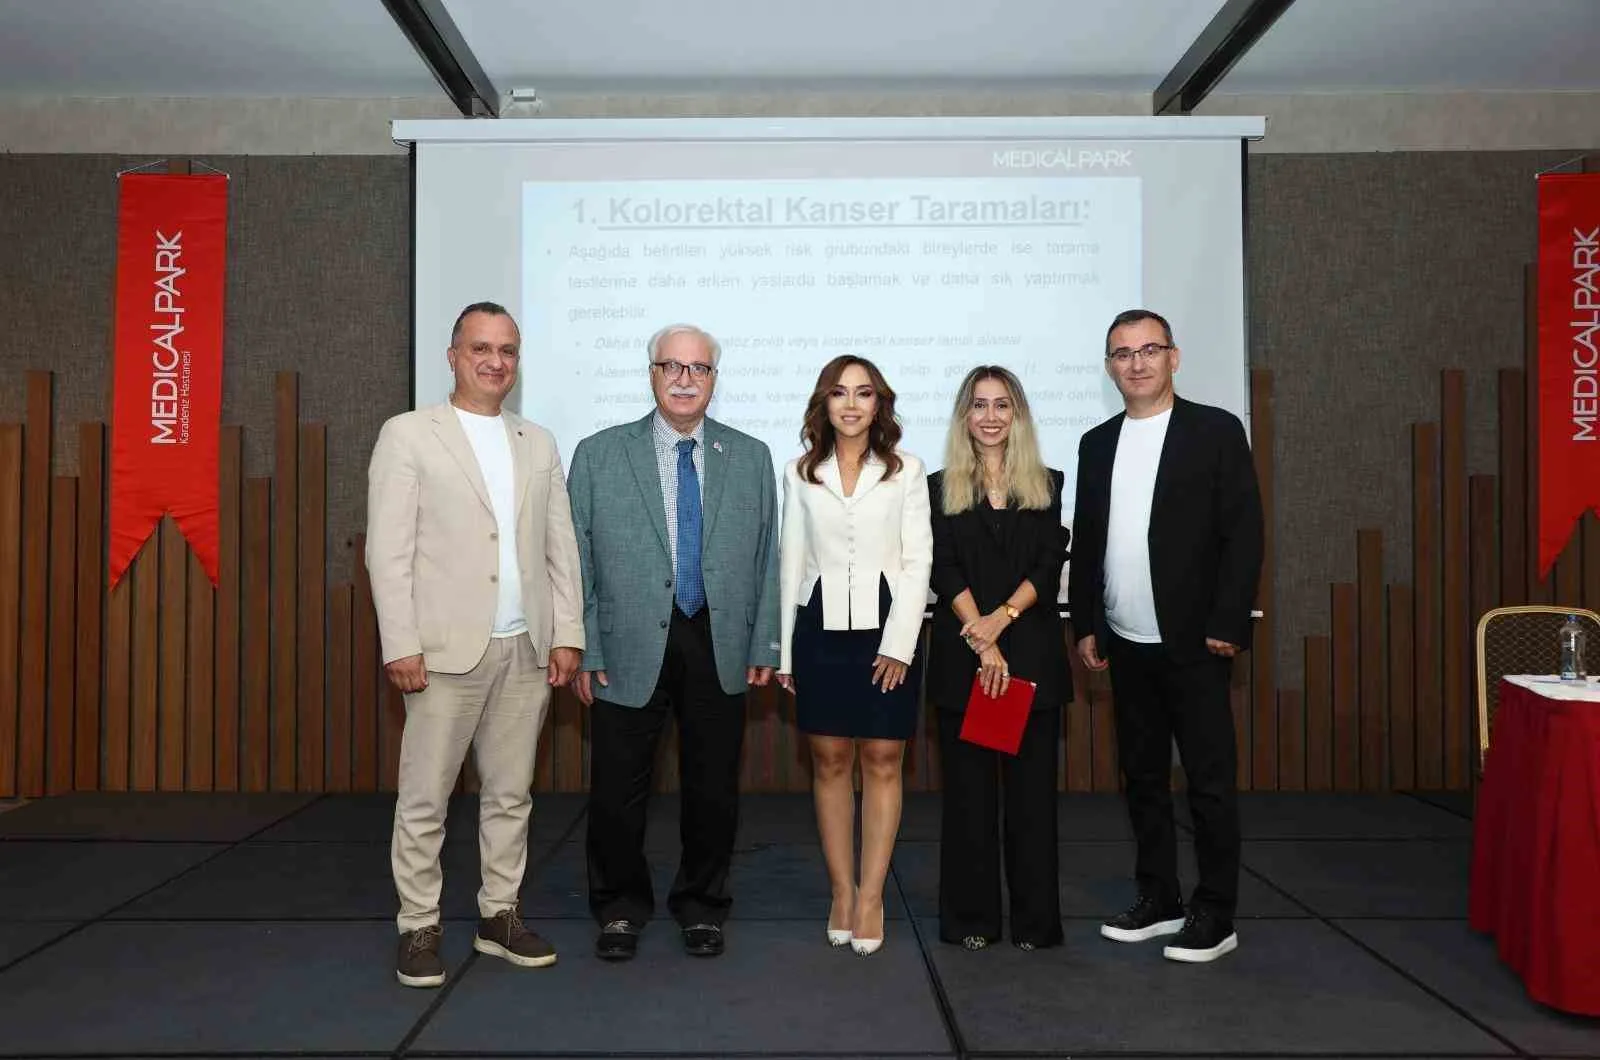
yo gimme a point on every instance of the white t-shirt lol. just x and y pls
(1129, 595)
(492, 447)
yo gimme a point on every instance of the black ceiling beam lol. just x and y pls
(433, 33)
(1222, 43)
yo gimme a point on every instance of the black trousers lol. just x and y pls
(623, 743)
(998, 805)
(1157, 701)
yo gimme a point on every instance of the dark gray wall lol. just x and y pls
(1369, 274)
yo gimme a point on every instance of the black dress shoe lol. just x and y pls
(618, 941)
(703, 940)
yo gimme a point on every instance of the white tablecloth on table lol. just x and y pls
(1552, 686)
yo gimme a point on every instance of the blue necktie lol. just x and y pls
(691, 586)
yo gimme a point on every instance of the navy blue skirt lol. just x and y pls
(834, 693)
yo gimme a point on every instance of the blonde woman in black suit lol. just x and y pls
(998, 547)
(853, 581)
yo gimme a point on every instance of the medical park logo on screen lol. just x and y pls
(1062, 158)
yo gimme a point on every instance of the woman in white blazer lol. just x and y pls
(855, 557)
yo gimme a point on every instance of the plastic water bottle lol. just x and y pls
(1571, 638)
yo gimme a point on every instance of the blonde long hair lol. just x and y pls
(1027, 479)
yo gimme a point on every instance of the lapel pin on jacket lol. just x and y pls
(717, 446)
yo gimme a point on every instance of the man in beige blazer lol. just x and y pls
(475, 578)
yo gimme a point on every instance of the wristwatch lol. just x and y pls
(1012, 613)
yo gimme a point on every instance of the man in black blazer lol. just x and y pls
(1168, 532)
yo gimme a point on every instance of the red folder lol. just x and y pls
(997, 722)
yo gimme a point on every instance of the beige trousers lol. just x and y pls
(497, 709)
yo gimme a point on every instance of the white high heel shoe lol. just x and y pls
(838, 938)
(867, 947)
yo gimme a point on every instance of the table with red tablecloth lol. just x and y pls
(1536, 840)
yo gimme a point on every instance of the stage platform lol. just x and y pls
(234, 925)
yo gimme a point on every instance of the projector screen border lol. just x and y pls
(588, 130)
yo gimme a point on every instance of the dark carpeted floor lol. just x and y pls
(261, 925)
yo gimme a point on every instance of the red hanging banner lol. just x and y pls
(167, 387)
(1569, 357)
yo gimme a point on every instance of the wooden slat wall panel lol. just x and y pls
(168, 683)
(91, 595)
(146, 574)
(770, 719)
(1513, 433)
(63, 659)
(916, 765)
(339, 654)
(1454, 622)
(175, 591)
(544, 768)
(788, 736)
(1482, 544)
(10, 600)
(285, 564)
(1539, 589)
(255, 667)
(118, 755)
(225, 774)
(1425, 600)
(1263, 645)
(1103, 723)
(36, 443)
(391, 726)
(791, 766)
(201, 747)
(364, 677)
(1319, 713)
(1566, 576)
(1374, 707)
(1402, 690)
(918, 754)
(312, 579)
(1346, 688)
(750, 752)
(667, 759)
(1485, 577)
(1079, 731)
(570, 716)
(1291, 770)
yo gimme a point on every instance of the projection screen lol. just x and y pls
(928, 245)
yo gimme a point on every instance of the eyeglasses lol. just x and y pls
(675, 369)
(1148, 352)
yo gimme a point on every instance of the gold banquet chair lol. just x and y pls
(1521, 640)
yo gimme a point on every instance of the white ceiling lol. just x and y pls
(207, 48)
(351, 48)
(1426, 45)
(1084, 45)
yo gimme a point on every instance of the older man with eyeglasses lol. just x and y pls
(1168, 535)
(676, 516)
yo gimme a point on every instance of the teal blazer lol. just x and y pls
(626, 556)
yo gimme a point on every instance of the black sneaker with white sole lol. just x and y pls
(504, 935)
(1206, 935)
(1146, 919)
(418, 962)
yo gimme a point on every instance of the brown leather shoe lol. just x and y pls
(418, 963)
(504, 935)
